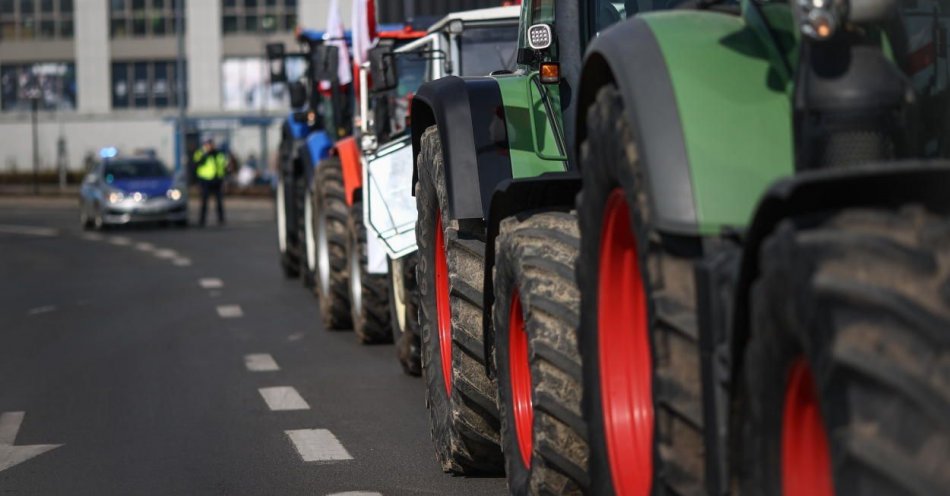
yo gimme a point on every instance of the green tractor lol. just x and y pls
(744, 289)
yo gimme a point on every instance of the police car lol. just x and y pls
(122, 190)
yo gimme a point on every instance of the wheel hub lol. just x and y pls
(806, 465)
(626, 363)
(519, 368)
(308, 232)
(281, 218)
(356, 278)
(443, 311)
(323, 254)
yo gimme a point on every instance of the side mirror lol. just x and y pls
(277, 62)
(325, 61)
(298, 94)
(382, 67)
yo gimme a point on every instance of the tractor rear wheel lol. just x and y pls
(463, 415)
(638, 331)
(537, 361)
(283, 204)
(369, 293)
(404, 312)
(330, 216)
(843, 390)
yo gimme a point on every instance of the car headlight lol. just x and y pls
(174, 194)
(115, 197)
(138, 196)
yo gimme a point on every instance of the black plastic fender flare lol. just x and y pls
(471, 119)
(629, 56)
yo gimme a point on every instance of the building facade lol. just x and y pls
(104, 73)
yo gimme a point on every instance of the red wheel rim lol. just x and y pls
(626, 363)
(443, 315)
(520, 379)
(806, 465)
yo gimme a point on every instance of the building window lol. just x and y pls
(52, 84)
(245, 84)
(139, 18)
(36, 19)
(258, 16)
(144, 84)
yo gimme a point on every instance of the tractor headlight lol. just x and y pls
(173, 194)
(116, 197)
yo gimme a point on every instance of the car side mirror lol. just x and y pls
(382, 67)
(298, 94)
(277, 62)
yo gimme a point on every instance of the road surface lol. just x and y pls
(169, 361)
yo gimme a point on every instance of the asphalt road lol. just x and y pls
(121, 374)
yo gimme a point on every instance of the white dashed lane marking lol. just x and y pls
(282, 398)
(230, 311)
(144, 246)
(92, 237)
(166, 253)
(44, 232)
(357, 493)
(210, 283)
(260, 362)
(181, 262)
(120, 241)
(318, 445)
(43, 309)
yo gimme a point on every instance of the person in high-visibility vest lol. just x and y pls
(210, 167)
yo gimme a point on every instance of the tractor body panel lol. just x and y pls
(708, 98)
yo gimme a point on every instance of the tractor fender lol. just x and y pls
(473, 130)
(888, 184)
(651, 109)
(316, 148)
(549, 191)
(349, 155)
(707, 97)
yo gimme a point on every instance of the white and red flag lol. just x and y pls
(336, 34)
(364, 29)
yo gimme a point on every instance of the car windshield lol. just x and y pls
(485, 50)
(134, 169)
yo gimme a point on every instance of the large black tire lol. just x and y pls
(536, 262)
(285, 223)
(369, 293)
(404, 312)
(307, 237)
(861, 297)
(610, 165)
(331, 215)
(463, 417)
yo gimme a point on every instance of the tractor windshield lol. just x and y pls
(412, 70)
(488, 49)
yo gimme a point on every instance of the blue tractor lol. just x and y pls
(321, 113)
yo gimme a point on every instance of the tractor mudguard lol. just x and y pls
(349, 155)
(707, 96)
(731, 264)
(472, 127)
(319, 145)
(296, 128)
(550, 191)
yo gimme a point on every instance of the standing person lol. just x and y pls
(211, 166)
